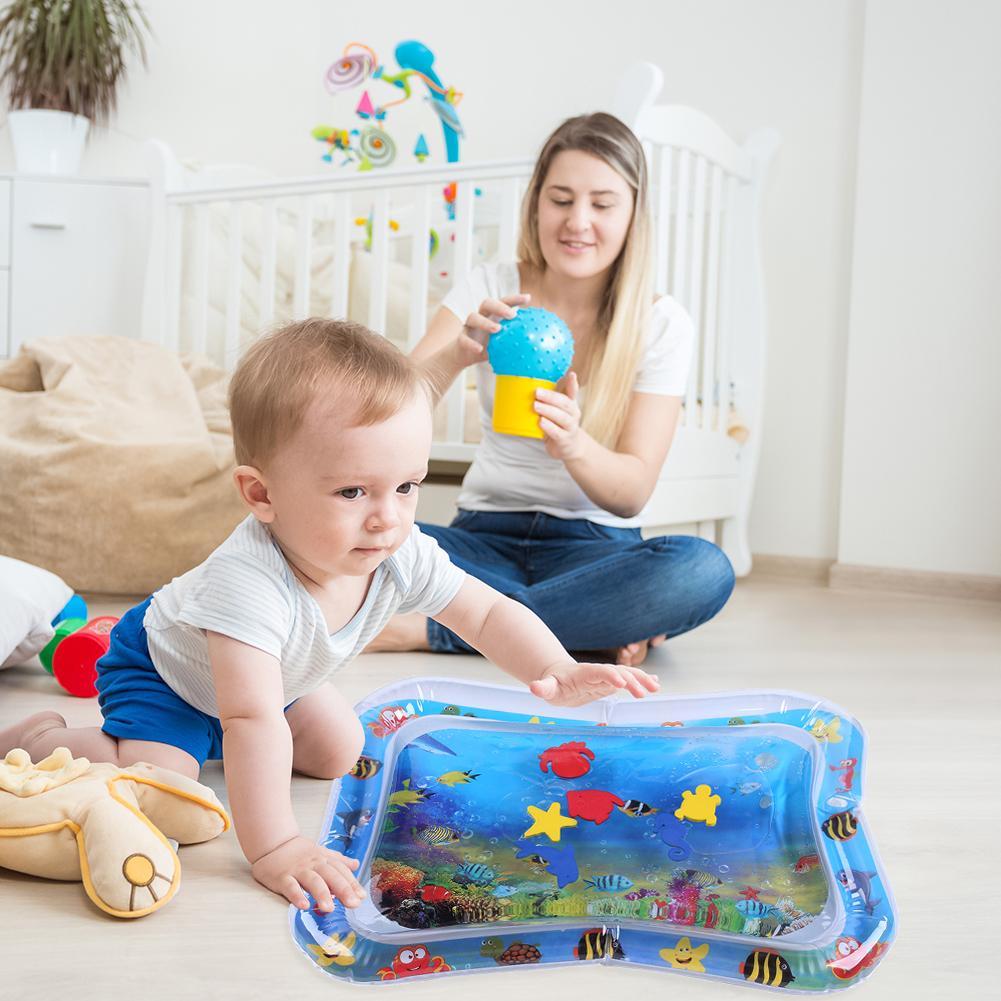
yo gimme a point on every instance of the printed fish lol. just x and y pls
(697, 877)
(840, 826)
(765, 761)
(859, 883)
(595, 805)
(805, 863)
(609, 883)
(434, 835)
(503, 891)
(765, 967)
(474, 873)
(746, 788)
(756, 909)
(365, 767)
(433, 893)
(407, 796)
(637, 808)
(454, 778)
(597, 943)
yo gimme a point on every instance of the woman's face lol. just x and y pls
(585, 208)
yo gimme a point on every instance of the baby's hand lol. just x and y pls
(299, 865)
(572, 684)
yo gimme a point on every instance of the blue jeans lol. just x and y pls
(597, 588)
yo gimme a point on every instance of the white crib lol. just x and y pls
(234, 251)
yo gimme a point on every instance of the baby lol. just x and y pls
(332, 430)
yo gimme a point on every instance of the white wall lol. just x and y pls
(921, 484)
(242, 80)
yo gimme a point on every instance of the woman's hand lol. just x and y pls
(559, 418)
(470, 347)
(572, 684)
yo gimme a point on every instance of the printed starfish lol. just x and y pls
(548, 822)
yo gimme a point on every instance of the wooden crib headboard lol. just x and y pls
(233, 251)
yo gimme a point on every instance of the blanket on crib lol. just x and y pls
(115, 461)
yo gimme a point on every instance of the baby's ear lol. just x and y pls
(254, 490)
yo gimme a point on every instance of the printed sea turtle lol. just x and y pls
(515, 954)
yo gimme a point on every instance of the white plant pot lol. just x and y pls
(47, 142)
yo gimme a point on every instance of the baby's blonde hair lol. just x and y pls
(365, 375)
(625, 310)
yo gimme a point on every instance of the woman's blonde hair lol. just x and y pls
(283, 372)
(625, 310)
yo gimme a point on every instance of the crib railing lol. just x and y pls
(485, 208)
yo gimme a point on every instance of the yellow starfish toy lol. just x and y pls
(684, 957)
(66, 818)
(548, 822)
(699, 805)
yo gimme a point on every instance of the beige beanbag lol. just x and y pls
(65, 818)
(116, 458)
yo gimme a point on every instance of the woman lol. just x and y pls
(553, 523)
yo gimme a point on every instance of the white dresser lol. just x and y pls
(72, 256)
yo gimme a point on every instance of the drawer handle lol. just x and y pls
(48, 225)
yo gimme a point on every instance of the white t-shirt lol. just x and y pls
(511, 473)
(247, 590)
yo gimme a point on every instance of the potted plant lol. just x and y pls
(61, 62)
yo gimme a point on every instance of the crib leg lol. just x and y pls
(735, 544)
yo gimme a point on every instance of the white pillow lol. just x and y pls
(30, 598)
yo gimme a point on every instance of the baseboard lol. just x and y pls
(849, 576)
(806, 569)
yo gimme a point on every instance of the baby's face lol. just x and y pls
(344, 496)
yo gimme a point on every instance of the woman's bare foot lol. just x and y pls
(402, 632)
(24, 733)
(633, 654)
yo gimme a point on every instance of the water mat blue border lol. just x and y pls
(838, 950)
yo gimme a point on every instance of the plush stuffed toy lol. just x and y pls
(66, 818)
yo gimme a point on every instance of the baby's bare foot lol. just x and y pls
(401, 633)
(27, 731)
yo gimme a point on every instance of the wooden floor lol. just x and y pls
(922, 675)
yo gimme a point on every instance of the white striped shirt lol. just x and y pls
(247, 590)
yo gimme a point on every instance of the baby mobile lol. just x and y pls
(370, 145)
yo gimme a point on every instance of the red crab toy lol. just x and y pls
(568, 761)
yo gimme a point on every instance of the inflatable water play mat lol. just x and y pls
(719, 836)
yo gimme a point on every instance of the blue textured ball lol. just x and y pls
(534, 343)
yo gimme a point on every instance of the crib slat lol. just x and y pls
(695, 280)
(342, 255)
(379, 286)
(175, 234)
(456, 397)
(711, 417)
(303, 258)
(234, 269)
(679, 275)
(269, 259)
(419, 266)
(201, 324)
(507, 236)
(726, 364)
(662, 248)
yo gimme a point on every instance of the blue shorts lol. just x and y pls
(139, 705)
